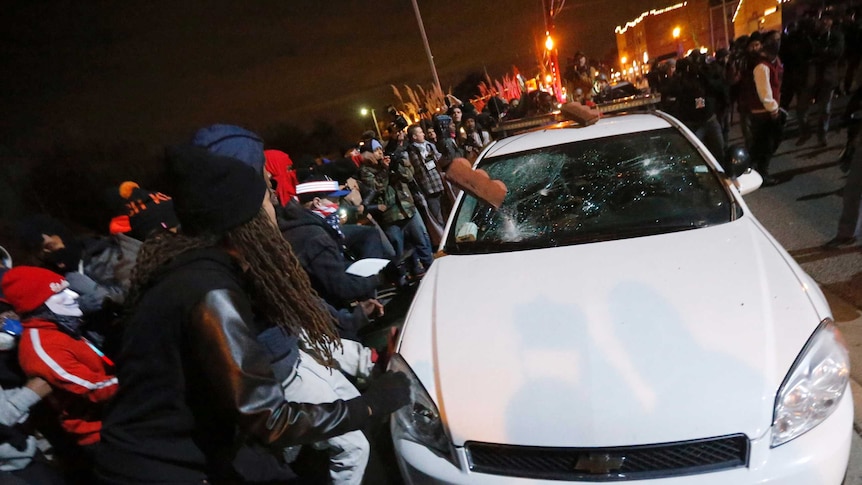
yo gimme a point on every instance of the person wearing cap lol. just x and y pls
(385, 183)
(97, 268)
(53, 348)
(302, 377)
(314, 231)
(194, 379)
(18, 394)
(148, 211)
(249, 153)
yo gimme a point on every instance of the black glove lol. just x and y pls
(387, 393)
(390, 275)
(14, 437)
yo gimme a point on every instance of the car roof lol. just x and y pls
(565, 132)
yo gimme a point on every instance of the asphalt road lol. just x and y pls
(802, 212)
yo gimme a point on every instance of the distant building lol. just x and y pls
(674, 29)
(757, 15)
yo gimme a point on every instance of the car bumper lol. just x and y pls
(819, 456)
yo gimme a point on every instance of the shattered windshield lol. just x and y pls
(596, 190)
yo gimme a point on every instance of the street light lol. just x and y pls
(364, 112)
(677, 40)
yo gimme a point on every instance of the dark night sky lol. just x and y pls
(153, 71)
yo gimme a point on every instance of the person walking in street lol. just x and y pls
(851, 164)
(827, 48)
(760, 95)
(850, 200)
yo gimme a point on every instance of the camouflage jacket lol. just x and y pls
(391, 188)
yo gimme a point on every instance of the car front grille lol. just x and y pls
(610, 464)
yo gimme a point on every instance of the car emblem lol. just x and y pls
(599, 463)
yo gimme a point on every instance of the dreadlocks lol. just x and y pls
(282, 289)
(155, 252)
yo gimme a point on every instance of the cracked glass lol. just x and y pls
(630, 185)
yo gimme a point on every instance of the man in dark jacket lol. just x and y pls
(313, 229)
(195, 381)
(827, 48)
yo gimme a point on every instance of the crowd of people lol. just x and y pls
(214, 333)
(812, 62)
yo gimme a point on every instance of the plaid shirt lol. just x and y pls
(425, 168)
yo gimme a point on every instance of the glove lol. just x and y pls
(391, 275)
(80, 283)
(14, 437)
(387, 393)
(91, 295)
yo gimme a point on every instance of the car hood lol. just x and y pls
(646, 340)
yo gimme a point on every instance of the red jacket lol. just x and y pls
(80, 379)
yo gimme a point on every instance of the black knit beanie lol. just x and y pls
(212, 193)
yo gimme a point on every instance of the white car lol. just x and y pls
(622, 316)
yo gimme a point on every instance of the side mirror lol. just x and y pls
(748, 182)
(736, 161)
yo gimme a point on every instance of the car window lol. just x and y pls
(608, 188)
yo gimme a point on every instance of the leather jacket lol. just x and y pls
(195, 384)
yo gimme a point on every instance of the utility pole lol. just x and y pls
(550, 11)
(724, 22)
(427, 47)
(712, 29)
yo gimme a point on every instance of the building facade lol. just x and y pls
(757, 15)
(673, 30)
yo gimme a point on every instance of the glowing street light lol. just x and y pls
(676, 32)
(623, 59)
(364, 112)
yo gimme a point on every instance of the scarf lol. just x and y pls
(329, 213)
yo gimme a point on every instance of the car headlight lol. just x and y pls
(420, 421)
(814, 386)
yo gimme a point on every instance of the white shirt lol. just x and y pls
(764, 88)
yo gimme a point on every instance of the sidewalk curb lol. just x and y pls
(856, 392)
(855, 386)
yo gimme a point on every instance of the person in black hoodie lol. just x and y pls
(195, 382)
(302, 377)
(698, 89)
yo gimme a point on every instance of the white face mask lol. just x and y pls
(64, 303)
(5, 259)
(7, 342)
